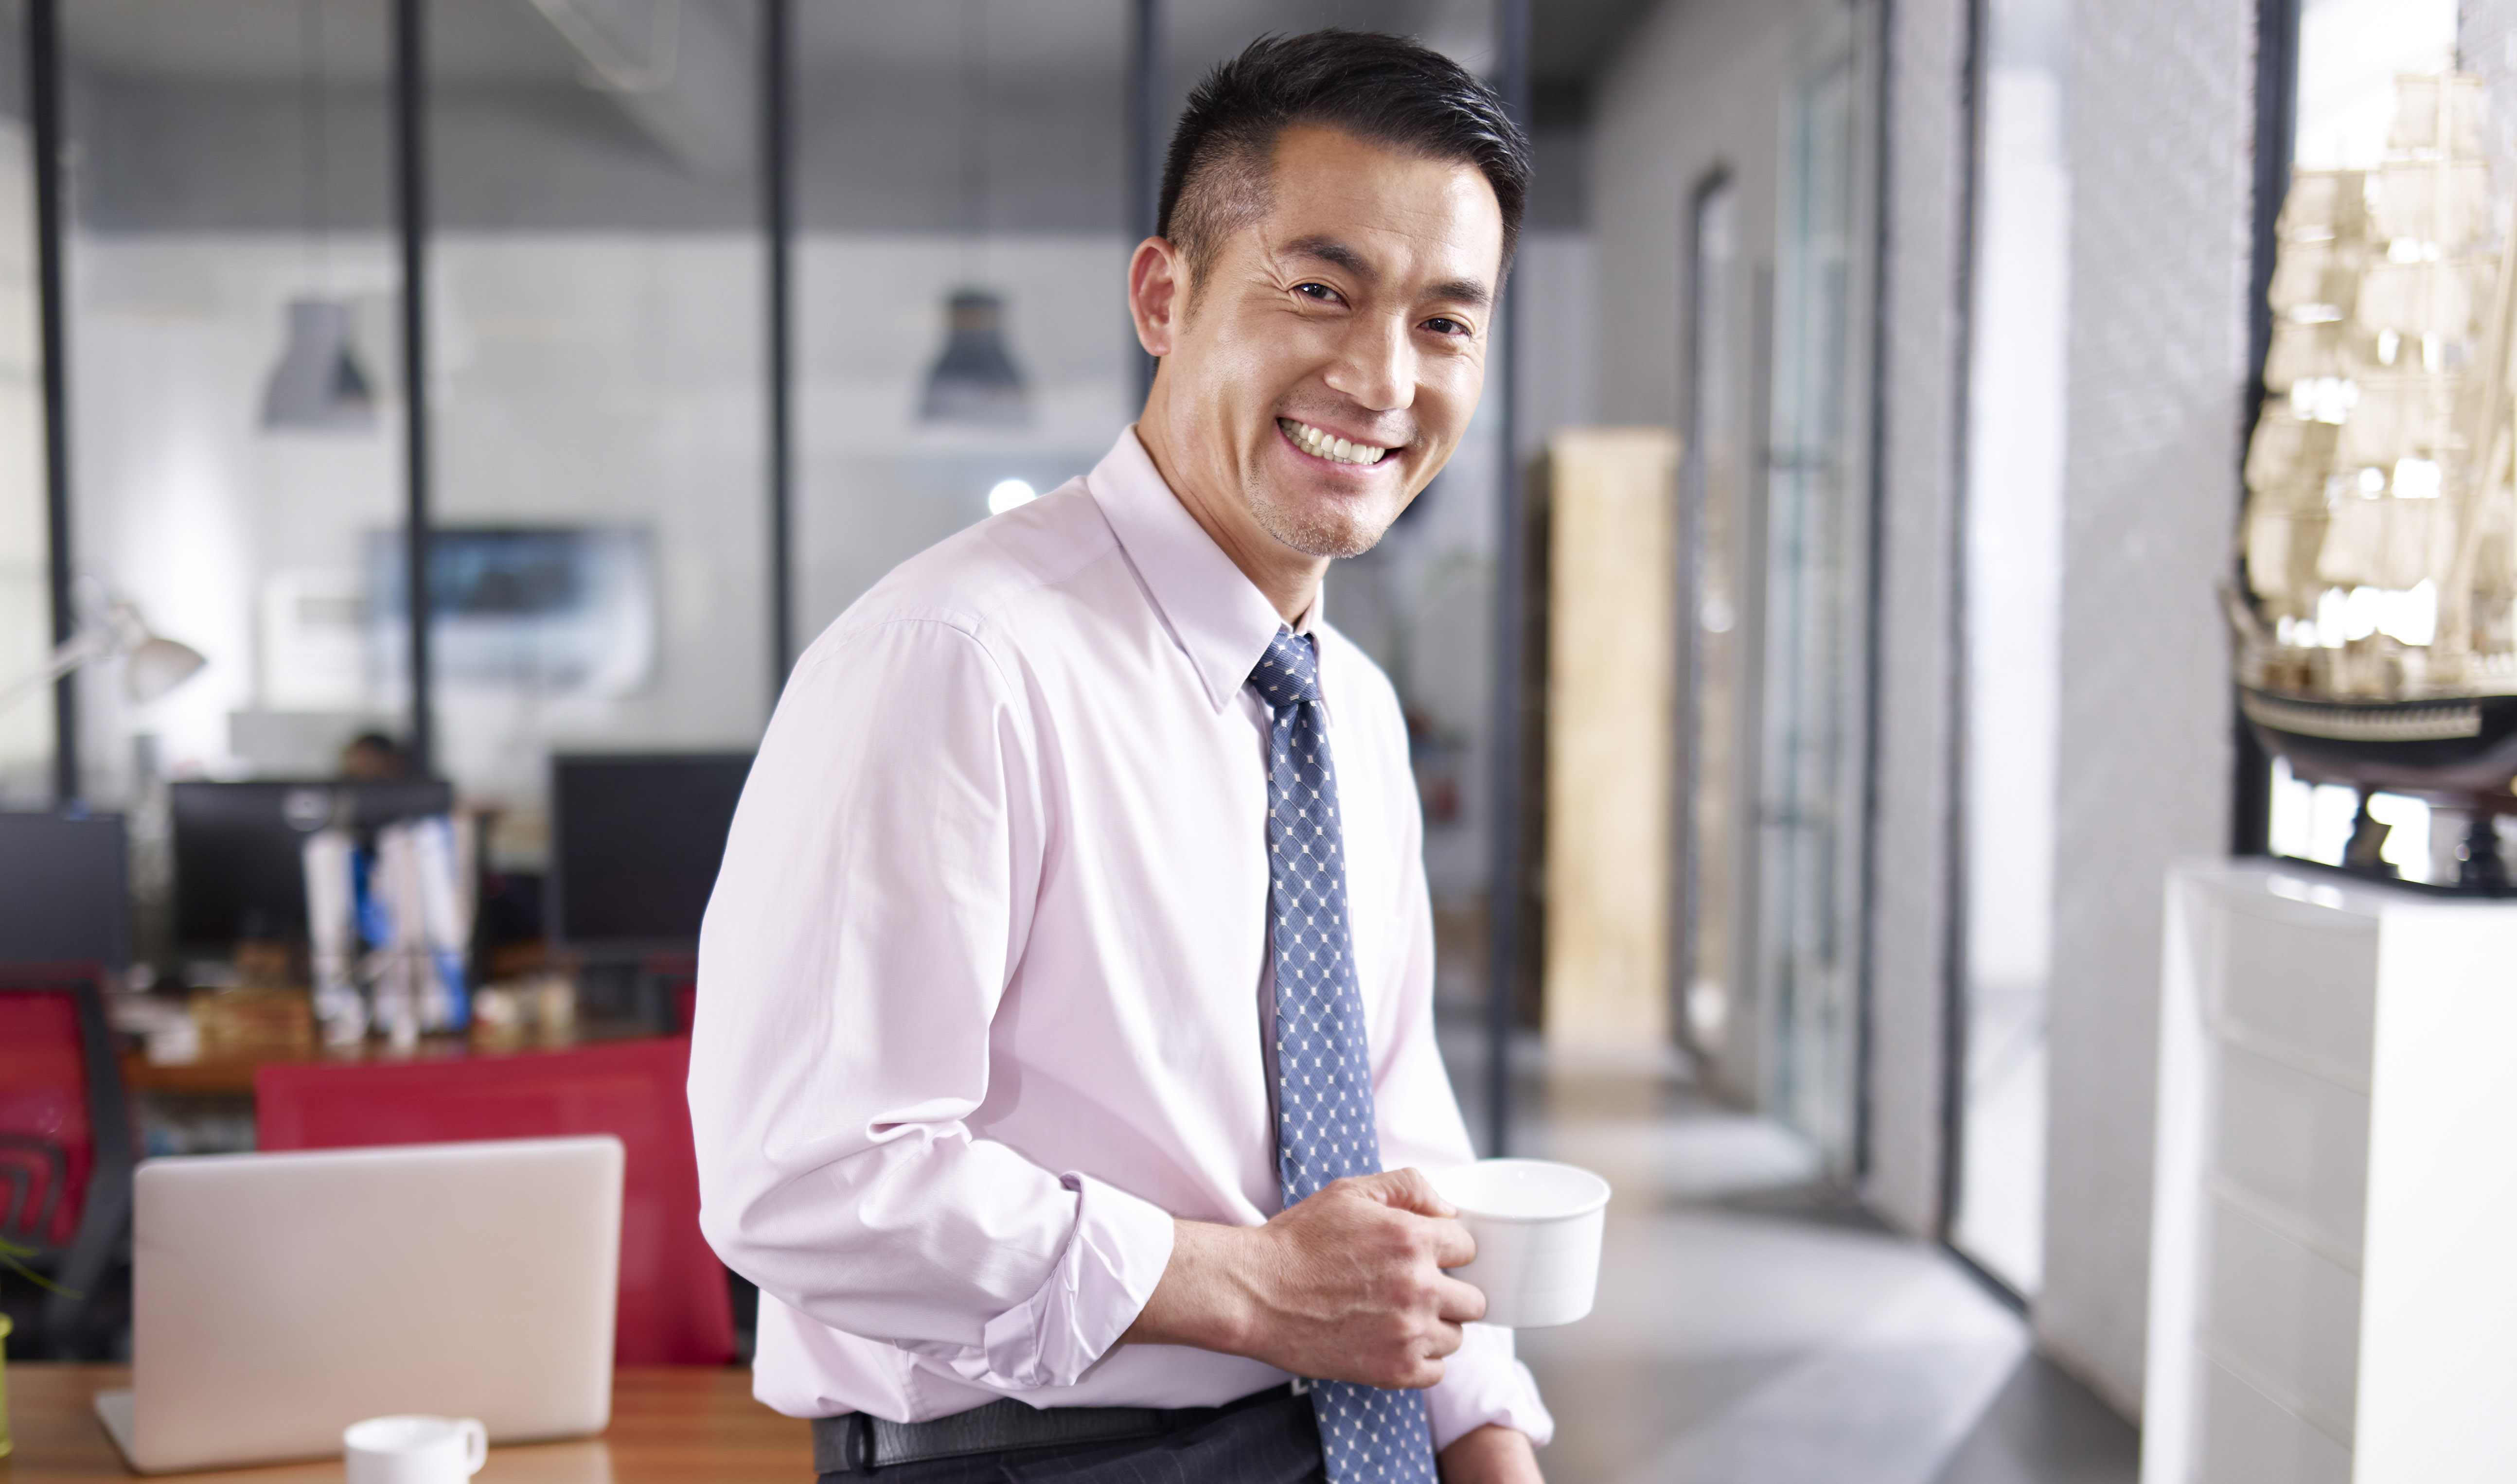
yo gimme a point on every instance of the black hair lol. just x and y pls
(1385, 90)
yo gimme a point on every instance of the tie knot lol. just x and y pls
(1289, 673)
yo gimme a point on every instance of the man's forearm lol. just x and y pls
(1348, 1284)
(1490, 1454)
(1207, 1298)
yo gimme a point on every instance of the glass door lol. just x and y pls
(2013, 626)
(1815, 681)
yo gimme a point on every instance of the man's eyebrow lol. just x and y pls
(1337, 254)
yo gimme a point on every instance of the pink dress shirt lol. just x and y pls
(983, 983)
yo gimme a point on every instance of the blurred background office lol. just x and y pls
(430, 429)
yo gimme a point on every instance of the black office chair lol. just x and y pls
(65, 1147)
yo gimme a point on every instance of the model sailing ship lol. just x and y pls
(2377, 637)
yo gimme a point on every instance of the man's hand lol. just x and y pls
(1345, 1286)
(1490, 1454)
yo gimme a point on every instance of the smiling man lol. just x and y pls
(1064, 1068)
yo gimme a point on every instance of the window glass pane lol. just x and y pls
(235, 421)
(961, 267)
(600, 534)
(26, 587)
(1817, 546)
(2013, 575)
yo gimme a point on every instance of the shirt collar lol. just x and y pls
(1219, 616)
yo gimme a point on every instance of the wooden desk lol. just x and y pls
(673, 1423)
(229, 1073)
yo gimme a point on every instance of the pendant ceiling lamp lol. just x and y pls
(317, 386)
(975, 382)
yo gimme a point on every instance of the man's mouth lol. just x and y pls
(1328, 446)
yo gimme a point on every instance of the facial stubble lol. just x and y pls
(1331, 529)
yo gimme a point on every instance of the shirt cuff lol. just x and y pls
(1484, 1383)
(1101, 1283)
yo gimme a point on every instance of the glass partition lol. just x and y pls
(961, 330)
(25, 584)
(1811, 809)
(2013, 649)
(235, 423)
(599, 565)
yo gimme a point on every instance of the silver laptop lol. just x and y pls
(279, 1297)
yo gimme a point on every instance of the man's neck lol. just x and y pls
(1289, 580)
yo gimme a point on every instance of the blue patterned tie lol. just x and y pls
(1323, 1053)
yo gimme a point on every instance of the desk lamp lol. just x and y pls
(158, 664)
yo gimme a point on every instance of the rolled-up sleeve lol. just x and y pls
(876, 893)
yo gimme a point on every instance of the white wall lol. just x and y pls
(1693, 88)
(2160, 142)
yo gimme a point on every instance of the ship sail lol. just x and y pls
(2377, 545)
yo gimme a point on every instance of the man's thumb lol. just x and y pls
(1410, 1189)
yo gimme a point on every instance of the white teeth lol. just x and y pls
(1328, 446)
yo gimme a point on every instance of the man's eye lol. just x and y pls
(1440, 326)
(1320, 291)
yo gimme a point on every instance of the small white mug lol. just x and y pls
(414, 1449)
(1538, 1226)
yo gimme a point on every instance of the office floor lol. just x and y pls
(1758, 1327)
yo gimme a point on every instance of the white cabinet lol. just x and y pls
(2333, 1255)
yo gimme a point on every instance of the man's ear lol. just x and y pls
(1157, 294)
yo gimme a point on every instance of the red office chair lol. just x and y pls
(65, 1151)
(674, 1308)
(669, 987)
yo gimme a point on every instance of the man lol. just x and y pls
(1064, 1067)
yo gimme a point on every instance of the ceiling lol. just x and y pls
(519, 42)
(684, 73)
(279, 40)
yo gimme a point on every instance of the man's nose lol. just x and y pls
(1376, 366)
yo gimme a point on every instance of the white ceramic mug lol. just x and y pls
(1537, 1226)
(414, 1449)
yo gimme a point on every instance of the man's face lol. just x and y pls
(1356, 309)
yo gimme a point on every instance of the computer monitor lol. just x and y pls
(239, 848)
(64, 890)
(635, 844)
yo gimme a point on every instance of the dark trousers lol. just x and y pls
(1276, 1441)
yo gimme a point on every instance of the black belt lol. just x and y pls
(860, 1442)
